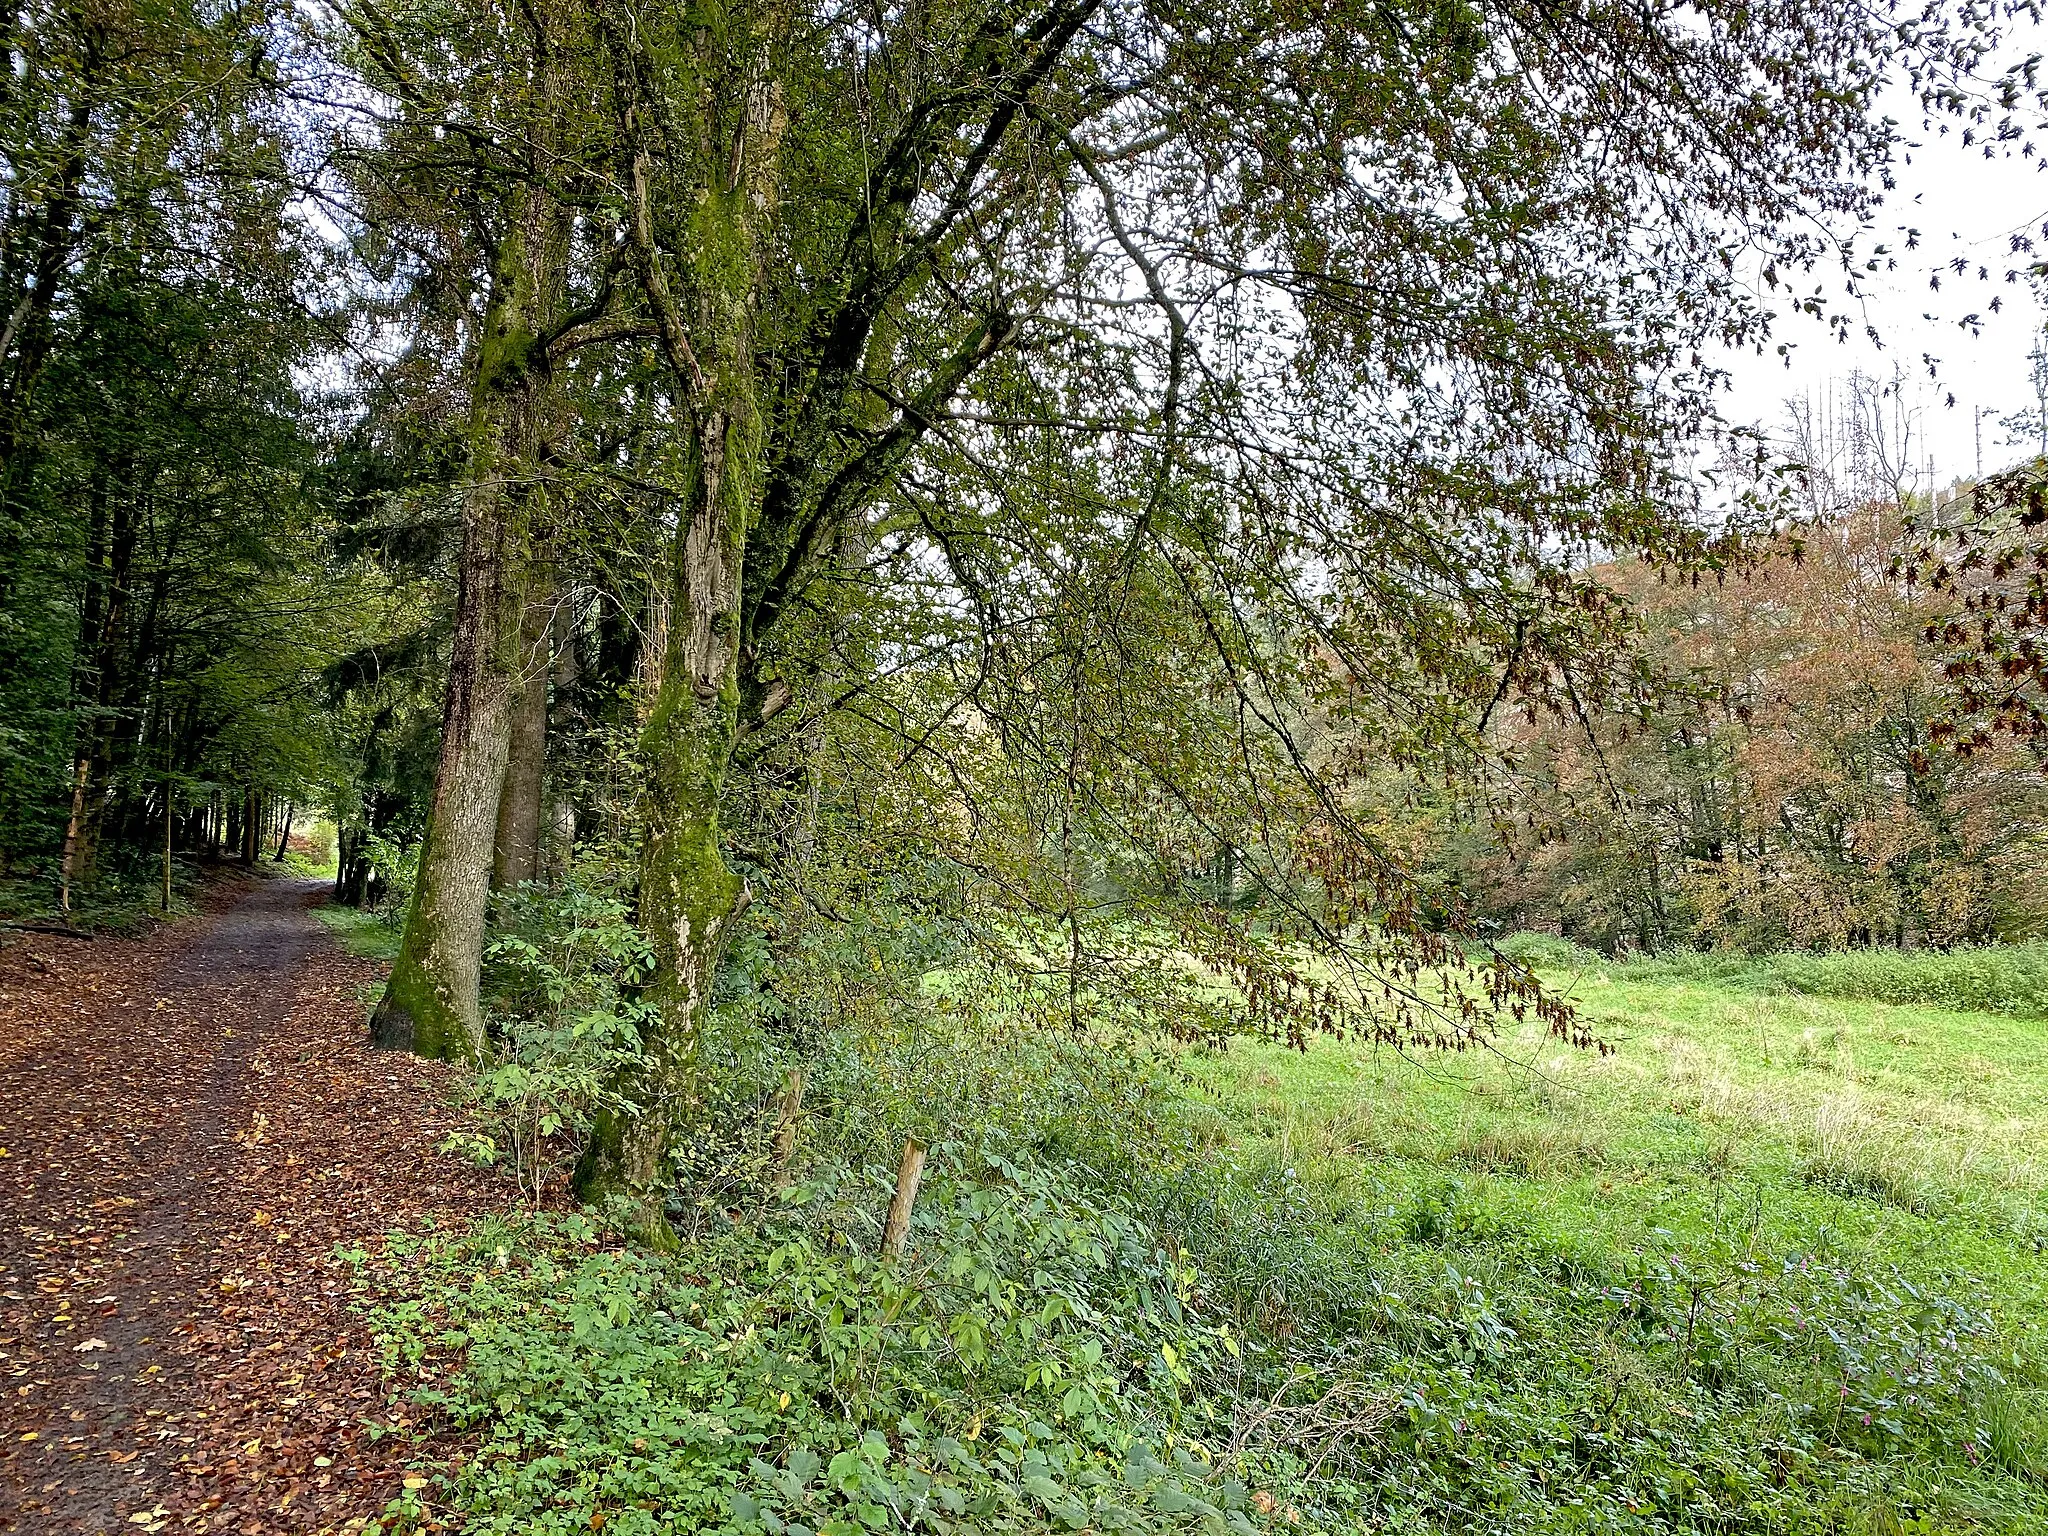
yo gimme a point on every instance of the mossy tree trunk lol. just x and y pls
(517, 856)
(689, 897)
(431, 1003)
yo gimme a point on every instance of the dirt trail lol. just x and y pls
(193, 1124)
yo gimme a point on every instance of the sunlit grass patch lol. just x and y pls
(365, 934)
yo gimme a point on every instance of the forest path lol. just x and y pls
(193, 1123)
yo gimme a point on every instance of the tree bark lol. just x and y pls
(352, 867)
(430, 1005)
(170, 820)
(558, 838)
(69, 863)
(517, 856)
(689, 897)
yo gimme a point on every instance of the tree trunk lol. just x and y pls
(430, 1005)
(688, 896)
(559, 837)
(70, 863)
(517, 858)
(251, 804)
(170, 820)
(102, 633)
(284, 832)
(352, 868)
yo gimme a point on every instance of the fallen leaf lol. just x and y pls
(79, 1349)
(415, 1483)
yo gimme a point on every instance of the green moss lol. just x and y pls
(687, 897)
(414, 1014)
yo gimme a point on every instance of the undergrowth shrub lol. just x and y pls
(561, 977)
(1549, 952)
(1030, 1362)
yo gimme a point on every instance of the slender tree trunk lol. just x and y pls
(284, 832)
(517, 857)
(688, 896)
(102, 632)
(558, 845)
(352, 868)
(170, 817)
(251, 804)
(74, 831)
(85, 685)
(430, 1005)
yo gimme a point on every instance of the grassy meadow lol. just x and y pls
(1901, 1130)
(1742, 1139)
(1775, 1263)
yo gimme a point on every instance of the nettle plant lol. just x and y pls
(563, 974)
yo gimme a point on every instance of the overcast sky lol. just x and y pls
(1963, 205)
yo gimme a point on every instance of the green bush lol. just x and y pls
(1547, 952)
(1029, 1362)
(561, 976)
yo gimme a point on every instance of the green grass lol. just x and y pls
(2000, 978)
(1949, 1107)
(1746, 1137)
(368, 934)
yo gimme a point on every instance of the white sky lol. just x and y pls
(1963, 205)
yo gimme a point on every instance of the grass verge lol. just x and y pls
(1775, 1266)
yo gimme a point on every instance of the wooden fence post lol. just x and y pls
(789, 1111)
(907, 1178)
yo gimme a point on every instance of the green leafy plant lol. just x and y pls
(563, 973)
(1035, 1354)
